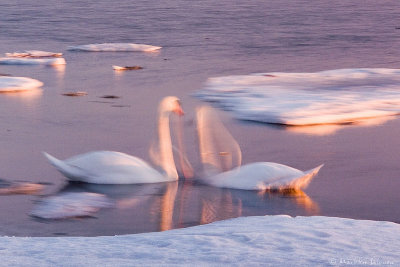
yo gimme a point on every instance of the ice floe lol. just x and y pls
(119, 68)
(115, 47)
(71, 204)
(32, 61)
(77, 93)
(326, 97)
(248, 241)
(19, 188)
(14, 84)
(33, 54)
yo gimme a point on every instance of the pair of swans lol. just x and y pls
(108, 167)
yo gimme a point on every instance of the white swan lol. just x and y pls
(109, 167)
(217, 158)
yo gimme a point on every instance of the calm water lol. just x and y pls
(360, 178)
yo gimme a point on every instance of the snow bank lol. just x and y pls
(250, 241)
(115, 47)
(32, 61)
(13, 84)
(72, 204)
(334, 96)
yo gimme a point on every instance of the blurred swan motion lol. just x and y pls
(221, 158)
(109, 167)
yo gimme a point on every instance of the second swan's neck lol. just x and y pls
(166, 154)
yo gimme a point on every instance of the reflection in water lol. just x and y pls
(164, 206)
(25, 95)
(60, 71)
(219, 208)
(327, 129)
(118, 74)
(167, 206)
(302, 200)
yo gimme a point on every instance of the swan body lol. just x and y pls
(218, 148)
(263, 176)
(109, 167)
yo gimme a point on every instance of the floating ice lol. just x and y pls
(13, 84)
(34, 54)
(115, 47)
(251, 241)
(73, 204)
(78, 93)
(326, 97)
(20, 188)
(118, 68)
(32, 61)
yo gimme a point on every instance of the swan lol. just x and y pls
(109, 167)
(221, 162)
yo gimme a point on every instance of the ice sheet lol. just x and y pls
(72, 204)
(327, 97)
(12, 84)
(115, 47)
(32, 61)
(33, 54)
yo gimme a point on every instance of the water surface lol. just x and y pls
(200, 40)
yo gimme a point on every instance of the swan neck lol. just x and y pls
(166, 154)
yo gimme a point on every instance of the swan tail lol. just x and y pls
(71, 172)
(303, 181)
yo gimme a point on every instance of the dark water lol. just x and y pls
(360, 178)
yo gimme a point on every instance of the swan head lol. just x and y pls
(171, 104)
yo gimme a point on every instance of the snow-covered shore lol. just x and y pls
(253, 241)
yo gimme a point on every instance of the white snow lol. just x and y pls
(72, 204)
(115, 47)
(13, 84)
(334, 96)
(246, 241)
(34, 54)
(32, 61)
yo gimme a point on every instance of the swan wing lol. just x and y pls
(107, 167)
(219, 151)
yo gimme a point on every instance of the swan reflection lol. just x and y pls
(165, 206)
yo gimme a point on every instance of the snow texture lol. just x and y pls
(334, 96)
(32, 61)
(13, 84)
(246, 241)
(115, 47)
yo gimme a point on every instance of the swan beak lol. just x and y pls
(178, 110)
